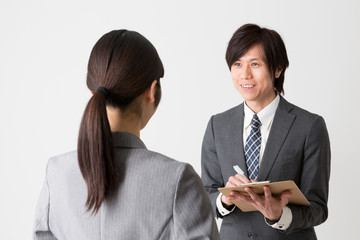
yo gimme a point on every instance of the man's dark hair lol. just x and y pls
(274, 49)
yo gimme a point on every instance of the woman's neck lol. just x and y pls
(123, 121)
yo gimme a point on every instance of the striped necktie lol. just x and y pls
(252, 148)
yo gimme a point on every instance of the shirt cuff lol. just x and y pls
(222, 210)
(285, 220)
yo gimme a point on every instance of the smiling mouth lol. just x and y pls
(247, 85)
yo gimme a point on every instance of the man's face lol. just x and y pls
(252, 78)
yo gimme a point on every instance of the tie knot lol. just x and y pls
(255, 123)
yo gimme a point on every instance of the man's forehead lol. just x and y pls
(256, 52)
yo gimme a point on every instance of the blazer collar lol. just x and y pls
(235, 134)
(127, 140)
(280, 128)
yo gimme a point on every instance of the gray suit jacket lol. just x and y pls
(158, 198)
(298, 148)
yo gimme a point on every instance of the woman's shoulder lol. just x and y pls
(162, 160)
(63, 162)
(156, 163)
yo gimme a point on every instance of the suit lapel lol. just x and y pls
(236, 123)
(279, 130)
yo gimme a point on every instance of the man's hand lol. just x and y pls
(271, 207)
(233, 181)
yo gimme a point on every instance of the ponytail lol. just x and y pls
(126, 63)
(96, 152)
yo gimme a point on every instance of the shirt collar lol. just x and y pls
(266, 115)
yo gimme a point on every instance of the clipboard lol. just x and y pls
(276, 188)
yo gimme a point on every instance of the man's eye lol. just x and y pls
(255, 64)
(237, 64)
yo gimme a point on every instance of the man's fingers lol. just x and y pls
(252, 194)
(287, 194)
(230, 184)
(242, 178)
(284, 198)
(239, 196)
(234, 181)
(226, 200)
(267, 192)
(237, 180)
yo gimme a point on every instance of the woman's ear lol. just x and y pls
(277, 73)
(150, 92)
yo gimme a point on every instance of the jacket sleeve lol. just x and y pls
(210, 168)
(193, 218)
(314, 179)
(41, 229)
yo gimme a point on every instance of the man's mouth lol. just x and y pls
(247, 85)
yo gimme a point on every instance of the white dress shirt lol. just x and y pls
(266, 117)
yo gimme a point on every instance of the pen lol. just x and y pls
(241, 172)
(238, 170)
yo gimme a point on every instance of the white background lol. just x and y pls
(44, 49)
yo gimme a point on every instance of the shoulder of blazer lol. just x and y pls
(66, 160)
(159, 157)
(299, 113)
(233, 112)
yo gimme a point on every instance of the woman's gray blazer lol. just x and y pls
(158, 198)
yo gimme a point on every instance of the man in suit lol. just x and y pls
(270, 139)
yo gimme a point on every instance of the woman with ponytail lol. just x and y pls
(112, 187)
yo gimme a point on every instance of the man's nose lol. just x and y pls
(246, 72)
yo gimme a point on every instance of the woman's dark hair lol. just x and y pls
(274, 48)
(124, 64)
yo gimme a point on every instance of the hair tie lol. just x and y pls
(104, 90)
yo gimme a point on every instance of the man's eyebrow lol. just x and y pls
(252, 59)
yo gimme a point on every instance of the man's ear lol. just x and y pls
(277, 73)
(150, 92)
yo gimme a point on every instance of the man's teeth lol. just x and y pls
(247, 86)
